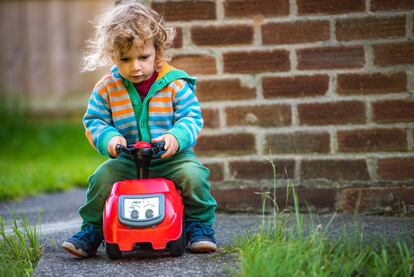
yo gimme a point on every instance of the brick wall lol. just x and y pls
(322, 87)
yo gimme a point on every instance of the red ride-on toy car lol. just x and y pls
(143, 212)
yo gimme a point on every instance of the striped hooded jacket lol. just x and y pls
(116, 109)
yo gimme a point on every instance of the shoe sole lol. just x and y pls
(203, 247)
(72, 249)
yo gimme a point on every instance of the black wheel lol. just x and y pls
(113, 252)
(177, 247)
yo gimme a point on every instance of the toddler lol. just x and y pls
(143, 98)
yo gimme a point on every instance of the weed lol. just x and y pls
(20, 248)
(277, 250)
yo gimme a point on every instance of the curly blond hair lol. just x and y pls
(123, 26)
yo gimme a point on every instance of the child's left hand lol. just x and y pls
(171, 145)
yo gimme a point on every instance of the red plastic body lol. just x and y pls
(126, 237)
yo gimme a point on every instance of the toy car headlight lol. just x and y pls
(141, 210)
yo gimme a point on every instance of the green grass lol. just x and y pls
(279, 249)
(43, 156)
(284, 253)
(20, 249)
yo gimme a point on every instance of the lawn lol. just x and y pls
(43, 156)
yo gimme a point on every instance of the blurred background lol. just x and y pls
(322, 88)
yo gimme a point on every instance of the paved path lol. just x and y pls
(59, 219)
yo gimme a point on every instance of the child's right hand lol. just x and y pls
(113, 143)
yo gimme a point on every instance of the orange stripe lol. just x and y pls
(120, 103)
(179, 84)
(122, 112)
(161, 99)
(102, 91)
(90, 139)
(110, 84)
(118, 93)
(165, 67)
(160, 109)
(167, 89)
(113, 84)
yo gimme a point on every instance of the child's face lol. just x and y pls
(137, 64)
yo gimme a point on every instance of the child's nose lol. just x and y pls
(136, 65)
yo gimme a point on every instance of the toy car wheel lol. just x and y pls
(177, 247)
(113, 252)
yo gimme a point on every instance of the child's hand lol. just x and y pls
(113, 143)
(171, 145)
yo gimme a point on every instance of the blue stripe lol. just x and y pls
(125, 120)
(127, 129)
(92, 112)
(182, 91)
(159, 126)
(159, 118)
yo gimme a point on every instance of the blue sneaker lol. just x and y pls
(84, 243)
(200, 237)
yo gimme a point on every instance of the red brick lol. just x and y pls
(370, 28)
(308, 197)
(383, 5)
(260, 170)
(222, 90)
(331, 57)
(216, 171)
(335, 169)
(256, 61)
(178, 40)
(373, 140)
(241, 8)
(195, 64)
(222, 35)
(393, 111)
(330, 6)
(234, 144)
(237, 199)
(394, 53)
(297, 86)
(366, 84)
(186, 10)
(295, 32)
(396, 168)
(391, 200)
(211, 118)
(338, 113)
(298, 143)
(264, 116)
(242, 199)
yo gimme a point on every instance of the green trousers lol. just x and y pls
(184, 169)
